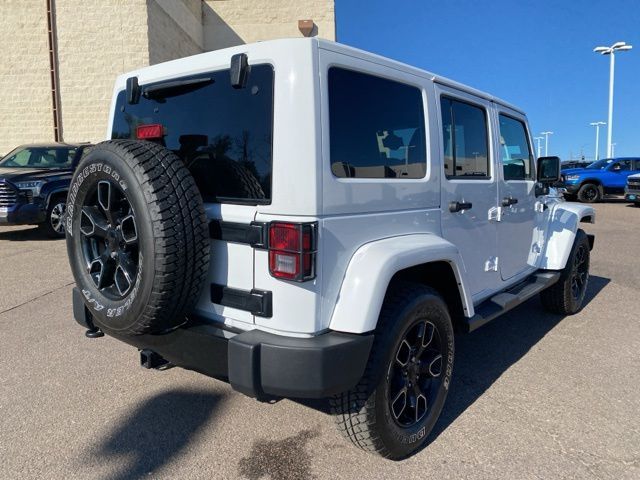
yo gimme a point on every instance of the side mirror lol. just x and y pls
(548, 170)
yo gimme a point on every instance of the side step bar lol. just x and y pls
(509, 299)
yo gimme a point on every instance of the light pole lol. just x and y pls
(613, 150)
(597, 125)
(621, 46)
(537, 139)
(546, 142)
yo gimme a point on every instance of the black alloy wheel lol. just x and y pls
(398, 400)
(415, 375)
(580, 273)
(109, 240)
(589, 193)
(566, 296)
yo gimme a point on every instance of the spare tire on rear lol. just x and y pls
(137, 237)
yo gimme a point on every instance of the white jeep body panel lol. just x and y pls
(370, 228)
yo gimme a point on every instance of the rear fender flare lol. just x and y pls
(372, 267)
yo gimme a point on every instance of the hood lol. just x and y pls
(33, 174)
(580, 171)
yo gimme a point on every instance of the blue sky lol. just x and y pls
(535, 54)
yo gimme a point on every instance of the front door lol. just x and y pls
(516, 196)
(618, 173)
(469, 186)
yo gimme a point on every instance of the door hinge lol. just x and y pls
(491, 265)
(495, 213)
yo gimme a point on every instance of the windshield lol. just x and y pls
(39, 157)
(601, 164)
(223, 134)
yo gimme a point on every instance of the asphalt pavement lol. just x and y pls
(534, 395)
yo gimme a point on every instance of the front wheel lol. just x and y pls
(589, 193)
(566, 296)
(395, 405)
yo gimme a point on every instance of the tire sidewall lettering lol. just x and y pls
(80, 178)
(97, 303)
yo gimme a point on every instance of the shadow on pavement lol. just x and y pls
(155, 432)
(484, 355)
(24, 235)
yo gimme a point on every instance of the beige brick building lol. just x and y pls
(60, 57)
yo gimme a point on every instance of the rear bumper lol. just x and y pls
(257, 363)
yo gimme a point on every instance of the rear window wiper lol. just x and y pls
(175, 87)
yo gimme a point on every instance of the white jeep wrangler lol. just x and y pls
(304, 219)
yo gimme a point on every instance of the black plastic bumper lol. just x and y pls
(257, 363)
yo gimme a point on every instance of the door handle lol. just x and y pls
(459, 206)
(508, 201)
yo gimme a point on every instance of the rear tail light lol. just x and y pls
(292, 250)
(150, 131)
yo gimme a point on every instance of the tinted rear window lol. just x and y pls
(223, 134)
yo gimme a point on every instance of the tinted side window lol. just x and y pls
(54, 158)
(517, 158)
(624, 165)
(376, 127)
(465, 139)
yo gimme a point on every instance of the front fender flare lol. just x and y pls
(563, 224)
(374, 264)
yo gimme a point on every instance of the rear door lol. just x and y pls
(224, 136)
(516, 199)
(469, 187)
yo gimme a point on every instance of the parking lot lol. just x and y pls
(534, 395)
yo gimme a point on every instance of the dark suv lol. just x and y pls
(34, 181)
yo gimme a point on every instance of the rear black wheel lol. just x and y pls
(414, 377)
(404, 387)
